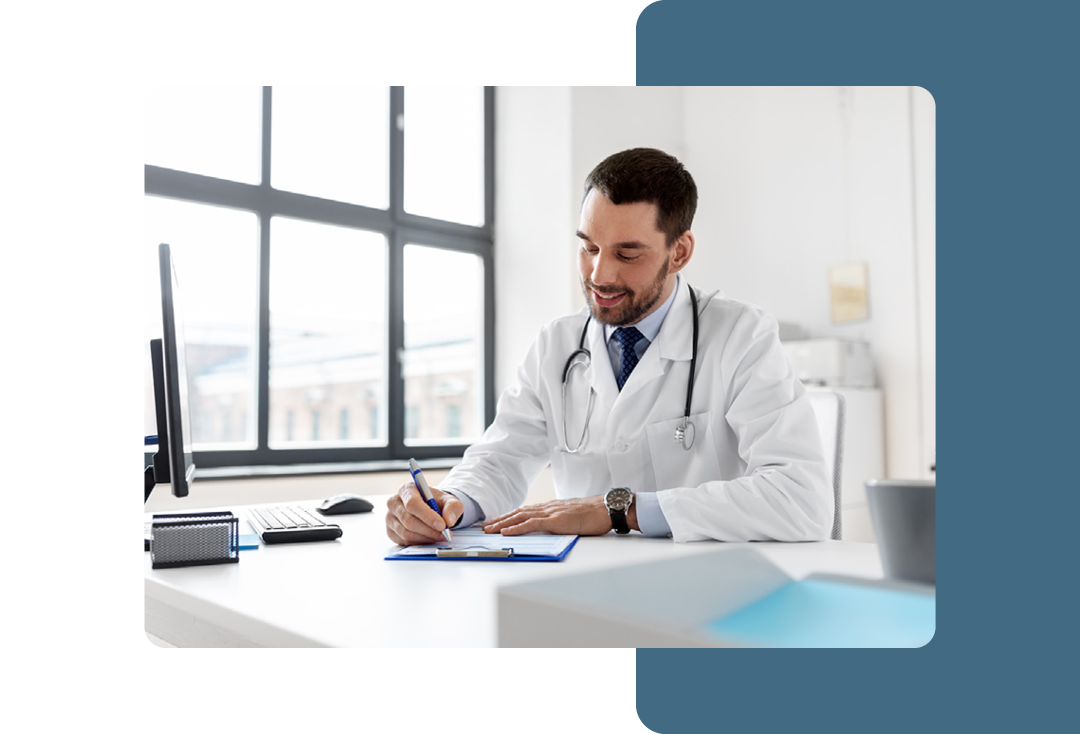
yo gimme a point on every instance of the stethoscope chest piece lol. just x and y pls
(684, 434)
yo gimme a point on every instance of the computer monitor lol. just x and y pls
(174, 462)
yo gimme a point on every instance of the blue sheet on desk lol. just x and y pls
(831, 613)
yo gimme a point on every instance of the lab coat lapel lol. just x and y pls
(601, 375)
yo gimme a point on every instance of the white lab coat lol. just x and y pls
(756, 470)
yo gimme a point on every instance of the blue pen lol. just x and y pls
(425, 492)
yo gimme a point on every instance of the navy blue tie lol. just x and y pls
(628, 336)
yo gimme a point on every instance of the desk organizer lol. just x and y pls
(194, 539)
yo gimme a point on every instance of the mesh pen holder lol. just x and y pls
(194, 539)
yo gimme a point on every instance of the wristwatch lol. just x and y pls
(618, 501)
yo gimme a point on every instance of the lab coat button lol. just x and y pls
(620, 446)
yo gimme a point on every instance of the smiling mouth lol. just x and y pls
(607, 300)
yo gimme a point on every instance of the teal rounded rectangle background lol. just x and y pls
(1003, 77)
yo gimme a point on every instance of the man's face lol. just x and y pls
(627, 270)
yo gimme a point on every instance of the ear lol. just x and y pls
(683, 250)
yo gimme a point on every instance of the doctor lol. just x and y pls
(652, 420)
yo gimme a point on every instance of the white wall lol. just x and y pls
(532, 244)
(770, 209)
(792, 182)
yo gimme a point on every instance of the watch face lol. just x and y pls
(618, 499)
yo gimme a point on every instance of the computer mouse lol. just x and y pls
(345, 504)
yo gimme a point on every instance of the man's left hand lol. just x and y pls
(579, 516)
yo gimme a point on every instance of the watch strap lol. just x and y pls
(618, 521)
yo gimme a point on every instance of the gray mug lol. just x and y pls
(902, 512)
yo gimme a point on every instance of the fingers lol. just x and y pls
(526, 526)
(415, 505)
(409, 520)
(405, 529)
(512, 522)
(452, 507)
(578, 516)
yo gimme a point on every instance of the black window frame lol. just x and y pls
(400, 228)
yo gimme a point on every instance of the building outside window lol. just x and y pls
(453, 420)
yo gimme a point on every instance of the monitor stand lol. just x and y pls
(149, 482)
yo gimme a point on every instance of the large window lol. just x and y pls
(333, 248)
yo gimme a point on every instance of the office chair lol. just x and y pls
(829, 409)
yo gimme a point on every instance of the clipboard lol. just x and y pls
(476, 545)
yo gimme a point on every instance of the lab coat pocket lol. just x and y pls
(673, 464)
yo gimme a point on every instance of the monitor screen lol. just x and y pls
(177, 413)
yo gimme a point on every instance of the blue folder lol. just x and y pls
(476, 545)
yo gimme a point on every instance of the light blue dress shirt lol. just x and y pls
(650, 517)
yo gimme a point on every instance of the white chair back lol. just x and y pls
(829, 409)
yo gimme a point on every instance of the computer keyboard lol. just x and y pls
(290, 524)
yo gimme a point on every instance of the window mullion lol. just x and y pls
(396, 310)
(262, 413)
(396, 335)
(397, 153)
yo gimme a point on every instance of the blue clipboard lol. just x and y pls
(476, 545)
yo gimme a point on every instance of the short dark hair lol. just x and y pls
(653, 176)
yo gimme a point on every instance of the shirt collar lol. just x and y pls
(650, 325)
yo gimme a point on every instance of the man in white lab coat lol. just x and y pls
(747, 464)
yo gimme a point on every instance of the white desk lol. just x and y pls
(343, 594)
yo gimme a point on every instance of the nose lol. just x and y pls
(605, 269)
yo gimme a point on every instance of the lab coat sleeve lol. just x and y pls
(497, 471)
(783, 493)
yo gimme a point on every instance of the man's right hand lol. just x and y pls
(409, 520)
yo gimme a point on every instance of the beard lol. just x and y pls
(633, 307)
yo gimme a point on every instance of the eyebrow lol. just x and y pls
(631, 245)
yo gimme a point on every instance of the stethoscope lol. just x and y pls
(582, 357)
